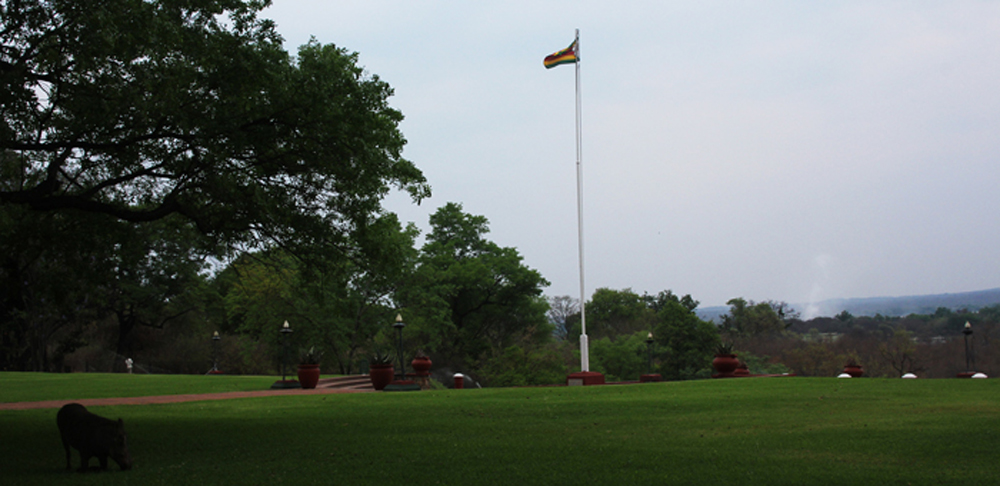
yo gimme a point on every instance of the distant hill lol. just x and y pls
(887, 306)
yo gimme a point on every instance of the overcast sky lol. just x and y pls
(795, 151)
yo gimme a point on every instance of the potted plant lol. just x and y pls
(421, 364)
(309, 367)
(725, 361)
(380, 369)
(742, 370)
(854, 369)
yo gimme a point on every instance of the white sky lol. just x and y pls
(794, 151)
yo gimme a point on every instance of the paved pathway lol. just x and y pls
(88, 402)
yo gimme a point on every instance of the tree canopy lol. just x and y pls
(143, 109)
(622, 321)
(685, 341)
(749, 318)
(339, 310)
(140, 138)
(470, 299)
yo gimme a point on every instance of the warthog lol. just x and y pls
(93, 436)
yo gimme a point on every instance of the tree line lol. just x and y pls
(771, 338)
(465, 300)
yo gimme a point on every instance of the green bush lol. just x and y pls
(623, 359)
(517, 366)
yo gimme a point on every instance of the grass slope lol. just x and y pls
(749, 431)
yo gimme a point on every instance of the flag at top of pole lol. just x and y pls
(568, 55)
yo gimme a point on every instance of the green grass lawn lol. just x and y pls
(748, 431)
(30, 387)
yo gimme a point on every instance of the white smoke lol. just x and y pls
(821, 264)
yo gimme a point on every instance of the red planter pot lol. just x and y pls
(725, 365)
(308, 375)
(421, 365)
(742, 370)
(854, 370)
(381, 375)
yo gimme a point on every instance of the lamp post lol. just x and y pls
(285, 332)
(401, 383)
(215, 353)
(399, 325)
(649, 377)
(967, 331)
(649, 352)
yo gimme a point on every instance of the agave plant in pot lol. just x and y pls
(380, 369)
(725, 361)
(309, 366)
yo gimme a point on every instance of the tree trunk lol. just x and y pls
(126, 324)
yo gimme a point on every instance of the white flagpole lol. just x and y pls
(584, 347)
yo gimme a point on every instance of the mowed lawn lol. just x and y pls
(33, 387)
(741, 431)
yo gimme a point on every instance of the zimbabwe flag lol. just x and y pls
(565, 56)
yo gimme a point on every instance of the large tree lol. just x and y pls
(106, 272)
(750, 319)
(469, 298)
(900, 353)
(46, 283)
(622, 359)
(338, 308)
(152, 271)
(621, 321)
(613, 313)
(561, 308)
(120, 115)
(141, 109)
(684, 341)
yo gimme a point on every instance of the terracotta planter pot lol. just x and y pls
(742, 370)
(854, 370)
(381, 375)
(308, 375)
(725, 365)
(421, 365)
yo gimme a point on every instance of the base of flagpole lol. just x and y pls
(584, 378)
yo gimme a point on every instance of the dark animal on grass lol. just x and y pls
(93, 436)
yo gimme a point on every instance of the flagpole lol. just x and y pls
(584, 346)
